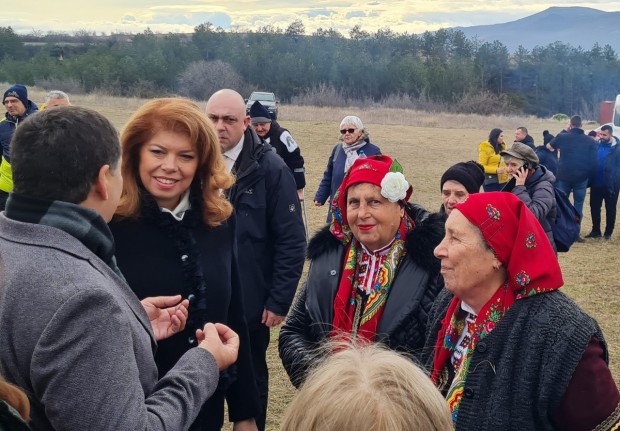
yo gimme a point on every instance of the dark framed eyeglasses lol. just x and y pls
(344, 131)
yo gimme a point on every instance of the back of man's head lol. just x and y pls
(57, 154)
(575, 121)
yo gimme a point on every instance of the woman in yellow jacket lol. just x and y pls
(494, 166)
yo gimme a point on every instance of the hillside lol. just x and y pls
(577, 26)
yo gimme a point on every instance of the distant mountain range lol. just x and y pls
(576, 26)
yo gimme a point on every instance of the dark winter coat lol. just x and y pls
(8, 125)
(521, 370)
(549, 159)
(403, 323)
(529, 141)
(156, 259)
(286, 147)
(578, 156)
(538, 195)
(270, 232)
(334, 172)
(611, 168)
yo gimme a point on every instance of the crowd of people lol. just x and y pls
(142, 273)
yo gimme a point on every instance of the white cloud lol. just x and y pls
(412, 16)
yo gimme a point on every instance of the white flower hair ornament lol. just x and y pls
(394, 186)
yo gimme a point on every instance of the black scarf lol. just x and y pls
(82, 223)
(181, 233)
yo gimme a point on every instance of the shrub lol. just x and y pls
(68, 85)
(560, 117)
(321, 96)
(483, 103)
(203, 78)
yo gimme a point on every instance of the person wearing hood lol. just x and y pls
(458, 182)
(547, 158)
(533, 184)
(18, 107)
(505, 346)
(605, 184)
(270, 132)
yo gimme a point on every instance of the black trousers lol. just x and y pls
(598, 195)
(259, 342)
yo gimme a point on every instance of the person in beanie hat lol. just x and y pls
(458, 182)
(18, 107)
(533, 184)
(259, 114)
(271, 132)
(547, 137)
(503, 338)
(20, 93)
(372, 276)
(547, 158)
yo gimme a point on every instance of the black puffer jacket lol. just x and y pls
(403, 324)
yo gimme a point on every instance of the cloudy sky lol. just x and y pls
(165, 16)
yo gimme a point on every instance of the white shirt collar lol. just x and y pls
(467, 308)
(230, 156)
(380, 251)
(180, 209)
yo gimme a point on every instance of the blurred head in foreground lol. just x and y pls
(367, 388)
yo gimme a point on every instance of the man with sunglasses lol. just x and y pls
(18, 107)
(270, 232)
(281, 140)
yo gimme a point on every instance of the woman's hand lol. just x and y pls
(167, 314)
(520, 176)
(271, 319)
(221, 341)
(318, 204)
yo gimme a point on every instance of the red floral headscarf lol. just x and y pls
(371, 170)
(517, 239)
(521, 245)
(386, 173)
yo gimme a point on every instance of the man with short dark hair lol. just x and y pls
(522, 136)
(577, 162)
(73, 334)
(279, 138)
(270, 231)
(605, 184)
(18, 107)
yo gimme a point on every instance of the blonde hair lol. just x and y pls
(177, 115)
(16, 398)
(367, 388)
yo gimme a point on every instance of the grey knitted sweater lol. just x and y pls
(519, 373)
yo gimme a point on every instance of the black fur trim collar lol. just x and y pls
(421, 242)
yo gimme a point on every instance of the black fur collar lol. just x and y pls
(421, 242)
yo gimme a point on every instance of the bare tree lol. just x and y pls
(203, 78)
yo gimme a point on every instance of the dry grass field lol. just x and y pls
(425, 144)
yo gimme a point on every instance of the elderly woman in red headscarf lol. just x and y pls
(506, 347)
(373, 276)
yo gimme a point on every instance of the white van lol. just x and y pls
(616, 120)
